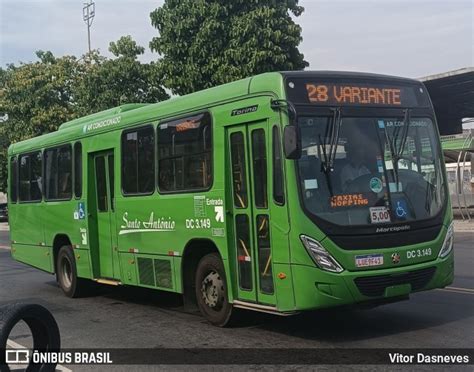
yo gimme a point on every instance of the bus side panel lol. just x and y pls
(83, 265)
(26, 223)
(36, 256)
(26, 232)
(128, 268)
(62, 217)
(160, 226)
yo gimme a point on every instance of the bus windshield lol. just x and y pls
(370, 170)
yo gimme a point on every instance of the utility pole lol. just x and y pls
(88, 13)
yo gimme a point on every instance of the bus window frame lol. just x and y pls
(13, 183)
(44, 173)
(276, 129)
(185, 191)
(76, 196)
(130, 130)
(42, 177)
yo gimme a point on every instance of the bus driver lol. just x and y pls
(355, 167)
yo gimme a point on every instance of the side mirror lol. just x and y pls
(292, 142)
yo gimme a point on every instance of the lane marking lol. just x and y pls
(5, 247)
(15, 345)
(461, 289)
(455, 290)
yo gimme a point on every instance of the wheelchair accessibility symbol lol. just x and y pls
(400, 211)
(80, 212)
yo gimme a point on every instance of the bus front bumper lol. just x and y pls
(315, 288)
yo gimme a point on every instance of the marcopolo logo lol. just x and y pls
(392, 229)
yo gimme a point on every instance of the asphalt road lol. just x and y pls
(131, 318)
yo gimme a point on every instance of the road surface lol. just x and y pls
(131, 318)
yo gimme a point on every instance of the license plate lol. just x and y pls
(369, 260)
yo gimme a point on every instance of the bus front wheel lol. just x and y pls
(66, 274)
(211, 290)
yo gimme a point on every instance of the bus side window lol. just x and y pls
(77, 169)
(65, 173)
(13, 179)
(51, 173)
(58, 173)
(138, 161)
(185, 154)
(278, 185)
(259, 155)
(31, 183)
(239, 177)
(101, 184)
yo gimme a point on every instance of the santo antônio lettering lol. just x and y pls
(321, 93)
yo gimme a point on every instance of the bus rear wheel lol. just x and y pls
(211, 290)
(66, 274)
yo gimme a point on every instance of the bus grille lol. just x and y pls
(145, 271)
(155, 272)
(374, 286)
(163, 273)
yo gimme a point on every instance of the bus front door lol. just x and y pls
(248, 176)
(104, 213)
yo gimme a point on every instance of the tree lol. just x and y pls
(37, 98)
(204, 43)
(104, 83)
(40, 96)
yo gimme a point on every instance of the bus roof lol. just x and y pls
(129, 114)
(349, 75)
(102, 114)
(136, 113)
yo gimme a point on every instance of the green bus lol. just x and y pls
(278, 193)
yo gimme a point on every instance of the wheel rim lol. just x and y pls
(212, 291)
(66, 272)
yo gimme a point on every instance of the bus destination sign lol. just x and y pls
(355, 93)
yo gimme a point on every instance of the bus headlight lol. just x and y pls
(320, 256)
(448, 242)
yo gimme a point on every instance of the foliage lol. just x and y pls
(36, 97)
(204, 43)
(40, 96)
(105, 83)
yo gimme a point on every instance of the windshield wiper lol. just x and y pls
(327, 164)
(406, 127)
(397, 151)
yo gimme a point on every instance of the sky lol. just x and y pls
(411, 38)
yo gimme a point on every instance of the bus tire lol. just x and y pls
(211, 290)
(66, 274)
(43, 327)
